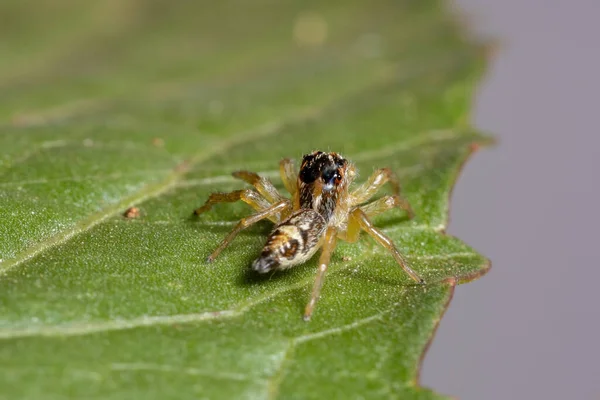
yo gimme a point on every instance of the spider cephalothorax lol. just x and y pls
(322, 181)
(321, 210)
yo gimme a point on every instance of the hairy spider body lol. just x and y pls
(321, 210)
(292, 242)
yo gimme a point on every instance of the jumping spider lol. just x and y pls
(320, 211)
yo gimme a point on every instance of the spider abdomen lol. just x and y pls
(291, 242)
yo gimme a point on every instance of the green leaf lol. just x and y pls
(107, 105)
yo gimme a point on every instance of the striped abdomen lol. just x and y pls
(292, 242)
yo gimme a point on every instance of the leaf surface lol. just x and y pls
(152, 104)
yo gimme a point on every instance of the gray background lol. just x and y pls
(530, 329)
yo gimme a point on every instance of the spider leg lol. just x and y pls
(379, 178)
(328, 247)
(248, 196)
(262, 185)
(246, 222)
(387, 203)
(289, 176)
(353, 229)
(363, 221)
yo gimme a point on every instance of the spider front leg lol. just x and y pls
(379, 178)
(246, 222)
(248, 196)
(328, 247)
(358, 217)
(262, 185)
(387, 203)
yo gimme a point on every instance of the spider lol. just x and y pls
(321, 210)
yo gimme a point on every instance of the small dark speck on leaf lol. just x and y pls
(132, 212)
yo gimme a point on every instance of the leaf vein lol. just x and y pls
(186, 370)
(115, 325)
(341, 329)
(274, 382)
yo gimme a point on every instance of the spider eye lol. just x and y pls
(331, 176)
(308, 175)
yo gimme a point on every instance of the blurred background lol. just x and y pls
(529, 329)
